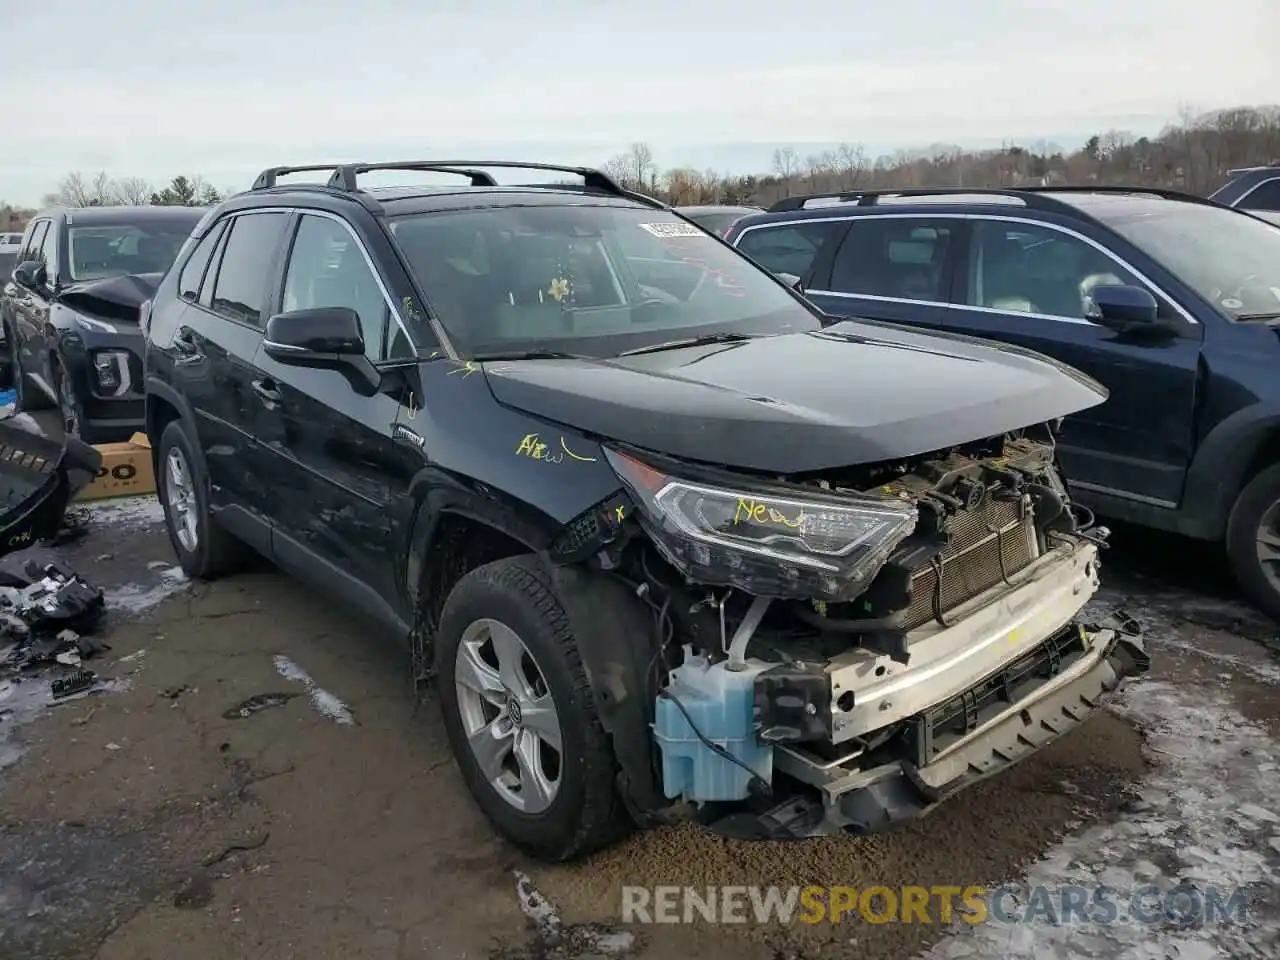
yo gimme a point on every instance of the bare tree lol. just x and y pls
(642, 166)
(132, 191)
(785, 163)
(851, 159)
(618, 168)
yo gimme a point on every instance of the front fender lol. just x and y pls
(1217, 471)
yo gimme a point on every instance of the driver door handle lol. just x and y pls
(266, 391)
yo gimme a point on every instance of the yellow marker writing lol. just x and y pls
(574, 456)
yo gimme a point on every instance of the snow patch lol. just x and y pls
(1209, 814)
(135, 598)
(559, 942)
(128, 511)
(326, 704)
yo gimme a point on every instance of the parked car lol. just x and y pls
(10, 244)
(1171, 301)
(664, 534)
(1255, 189)
(70, 312)
(716, 218)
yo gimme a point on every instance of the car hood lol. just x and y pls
(111, 298)
(848, 394)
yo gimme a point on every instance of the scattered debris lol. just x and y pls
(77, 682)
(558, 940)
(256, 704)
(325, 702)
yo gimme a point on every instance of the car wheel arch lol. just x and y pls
(163, 405)
(1235, 450)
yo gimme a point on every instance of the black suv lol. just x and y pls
(71, 307)
(1170, 301)
(673, 545)
(1255, 189)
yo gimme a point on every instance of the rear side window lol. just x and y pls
(792, 248)
(1265, 197)
(243, 282)
(902, 258)
(194, 269)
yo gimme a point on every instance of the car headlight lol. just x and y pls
(782, 545)
(93, 324)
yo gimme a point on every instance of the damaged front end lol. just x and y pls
(843, 651)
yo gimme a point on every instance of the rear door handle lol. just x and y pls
(266, 391)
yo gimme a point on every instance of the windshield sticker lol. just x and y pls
(1231, 303)
(561, 289)
(672, 229)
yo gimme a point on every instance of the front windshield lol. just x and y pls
(585, 279)
(1230, 259)
(108, 250)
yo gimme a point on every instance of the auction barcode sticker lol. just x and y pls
(672, 228)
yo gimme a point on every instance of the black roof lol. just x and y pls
(116, 215)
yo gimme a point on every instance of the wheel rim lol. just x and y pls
(180, 499)
(66, 400)
(508, 716)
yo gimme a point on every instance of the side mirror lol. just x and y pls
(326, 338)
(31, 274)
(1125, 309)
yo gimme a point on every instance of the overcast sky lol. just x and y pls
(151, 89)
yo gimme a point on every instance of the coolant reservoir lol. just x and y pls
(720, 703)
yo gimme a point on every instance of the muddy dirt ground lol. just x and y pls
(260, 784)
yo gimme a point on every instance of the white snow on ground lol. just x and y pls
(325, 702)
(136, 598)
(126, 511)
(1209, 815)
(558, 941)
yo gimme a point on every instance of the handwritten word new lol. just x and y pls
(753, 511)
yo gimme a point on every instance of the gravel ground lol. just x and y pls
(259, 784)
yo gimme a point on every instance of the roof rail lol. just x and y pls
(1036, 197)
(1273, 165)
(343, 176)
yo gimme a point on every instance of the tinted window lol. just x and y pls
(1229, 258)
(327, 268)
(787, 249)
(899, 257)
(32, 250)
(1265, 197)
(1024, 268)
(716, 223)
(100, 250)
(193, 270)
(595, 278)
(244, 274)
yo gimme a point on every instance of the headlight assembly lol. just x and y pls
(763, 543)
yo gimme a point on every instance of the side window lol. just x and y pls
(243, 283)
(1025, 268)
(327, 268)
(903, 258)
(1265, 197)
(194, 269)
(788, 249)
(32, 250)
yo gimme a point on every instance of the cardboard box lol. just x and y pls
(125, 472)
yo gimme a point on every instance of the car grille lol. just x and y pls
(972, 562)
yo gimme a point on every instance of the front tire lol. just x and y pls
(1253, 540)
(70, 406)
(521, 715)
(27, 396)
(205, 550)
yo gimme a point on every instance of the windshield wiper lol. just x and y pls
(531, 355)
(690, 342)
(1255, 317)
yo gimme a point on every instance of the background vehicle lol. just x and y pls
(714, 218)
(1168, 300)
(558, 436)
(70, 311)
(1255, 189)
(10, 244)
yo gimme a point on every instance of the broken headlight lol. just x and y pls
(765, 543)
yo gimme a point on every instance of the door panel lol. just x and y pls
(1028, 284)
(895, 268)
(215, 343)
(343, 489)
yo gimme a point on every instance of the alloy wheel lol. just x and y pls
(508, 716)
(180, 499)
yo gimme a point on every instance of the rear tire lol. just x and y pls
(512, 603)
(1253, 540)
(204, 549)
